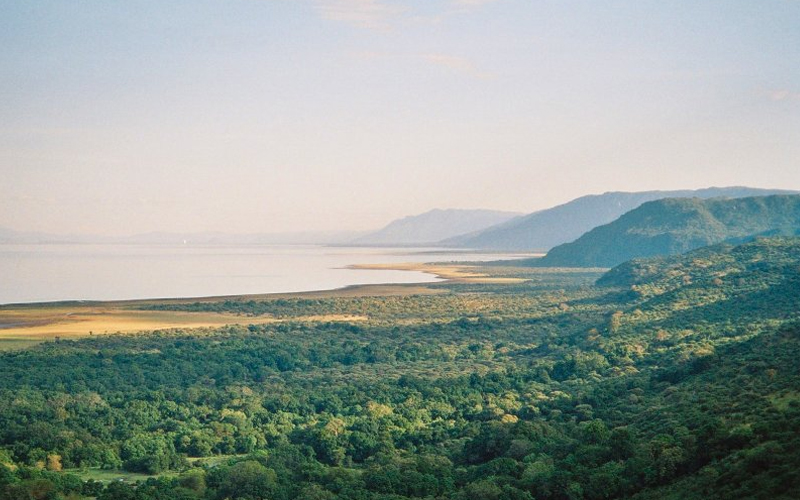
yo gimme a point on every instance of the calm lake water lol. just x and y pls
(39, 273)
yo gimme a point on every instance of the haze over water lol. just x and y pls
(54, 272)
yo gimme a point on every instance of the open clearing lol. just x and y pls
(106, 476)
(43, 322)
(26, 325)
(23, 325)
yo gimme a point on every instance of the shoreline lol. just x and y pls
(25, 324)
(363, 290)
(445, 272)
(448, 273)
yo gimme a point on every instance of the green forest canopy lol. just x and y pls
(671, 378)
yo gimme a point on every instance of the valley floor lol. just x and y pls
(670, 378)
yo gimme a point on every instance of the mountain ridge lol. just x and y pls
(433, 226)
(548, 228)
(676, 225)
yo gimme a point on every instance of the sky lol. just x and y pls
(121, 117)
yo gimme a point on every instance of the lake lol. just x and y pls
(53, 272)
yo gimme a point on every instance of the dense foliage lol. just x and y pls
(673, 378)
(675, 225)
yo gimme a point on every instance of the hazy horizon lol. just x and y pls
(278, 116)
(342, 236)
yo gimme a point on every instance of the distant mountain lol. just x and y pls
(548, 228)
(676, 225)
(9, 236)
(217, 238)
(434, 226)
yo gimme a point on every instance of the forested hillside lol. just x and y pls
(676, 225)
(554, 226)
(671, 378)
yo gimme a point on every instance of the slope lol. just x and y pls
(548, 228)
(675, 225)
(433, 226)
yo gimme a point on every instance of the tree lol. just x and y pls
(32, 489)
(117, 490)
(53, 463)
(248, 480)
(149, 453)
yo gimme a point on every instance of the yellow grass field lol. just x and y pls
(50, 321)
(28, 324)
(79, 321)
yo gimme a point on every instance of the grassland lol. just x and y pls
(108, 475)
(25, 325)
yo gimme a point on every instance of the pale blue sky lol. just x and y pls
(274, 115)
